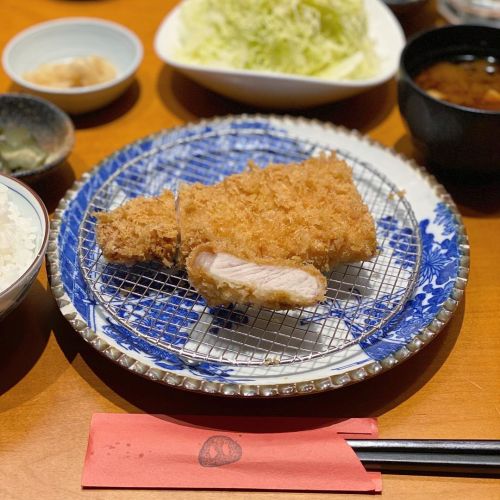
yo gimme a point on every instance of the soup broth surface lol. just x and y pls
(467, 80)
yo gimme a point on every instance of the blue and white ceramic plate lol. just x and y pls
(439, 285)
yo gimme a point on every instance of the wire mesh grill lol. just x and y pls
(158, 304)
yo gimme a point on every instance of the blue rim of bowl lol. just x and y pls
(69, 143)
(45, 239)
(422, 92)
(75, 90)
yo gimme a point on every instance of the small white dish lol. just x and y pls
(30, 206)
(67, 38)
(279, 90)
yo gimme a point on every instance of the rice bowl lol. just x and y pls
(24, 228)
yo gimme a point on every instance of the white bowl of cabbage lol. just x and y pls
(283, 54)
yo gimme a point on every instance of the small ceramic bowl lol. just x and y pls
(68, 38)
(279, 90)
(31, 206)
(450, 137)
(51, 128)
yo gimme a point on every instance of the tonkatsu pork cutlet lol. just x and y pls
(270, 229)
(261, 237)
(223, 278)
(143, 229)
(308, 213)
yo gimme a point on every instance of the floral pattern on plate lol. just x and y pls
(441, 279)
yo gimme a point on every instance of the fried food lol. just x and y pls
(143, 229)
(306, 213)
(222, 278)
(260, 237)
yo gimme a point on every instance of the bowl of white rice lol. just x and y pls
(24, 234)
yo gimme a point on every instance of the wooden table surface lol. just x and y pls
(51, 382)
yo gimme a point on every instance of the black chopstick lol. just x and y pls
(430, 456)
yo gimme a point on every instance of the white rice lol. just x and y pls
(17, 241)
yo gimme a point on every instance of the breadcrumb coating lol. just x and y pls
(143, 229)
(269, 223)
(306, 213)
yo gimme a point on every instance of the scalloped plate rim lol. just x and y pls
(170, 378)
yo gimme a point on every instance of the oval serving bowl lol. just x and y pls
(279, 90)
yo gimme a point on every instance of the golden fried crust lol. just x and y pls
(217, 291)
(142, 229)
(306, 213)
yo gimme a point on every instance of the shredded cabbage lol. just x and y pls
(320, 38)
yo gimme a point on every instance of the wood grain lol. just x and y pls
(51, 382)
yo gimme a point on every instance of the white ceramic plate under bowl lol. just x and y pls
(278, 90)
(150, 318)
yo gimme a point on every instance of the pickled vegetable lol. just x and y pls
(19, 150)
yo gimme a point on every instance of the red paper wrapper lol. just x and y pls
(154, 451)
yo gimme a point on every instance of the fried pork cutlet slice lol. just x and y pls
(143, 229)
(222, 279)
(308, 213)
(260, 237)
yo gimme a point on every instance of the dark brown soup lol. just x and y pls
(467, 81)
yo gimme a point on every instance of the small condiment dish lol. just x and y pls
(450, 137)
(30, 206)
(287, 91)
(50, 127)
(67, 38)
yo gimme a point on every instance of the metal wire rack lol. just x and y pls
(158, 304)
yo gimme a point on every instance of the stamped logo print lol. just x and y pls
(219, 450)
